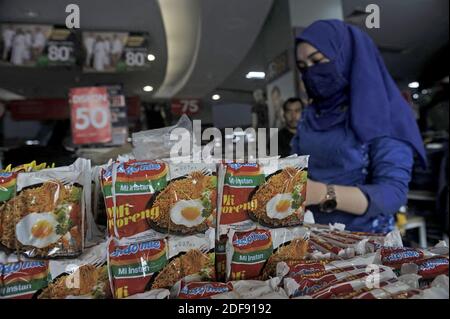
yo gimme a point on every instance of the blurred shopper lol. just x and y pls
(8, 37)
(260, 113)
(89, 43)
(116, 50)
(19, 46)
(277, 104)
(28, 45)
(359, 131)
(108, 45)
(292, 109)
(39, 42)
(100, 54)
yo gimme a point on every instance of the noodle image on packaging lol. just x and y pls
(280, 201)
(187, 205)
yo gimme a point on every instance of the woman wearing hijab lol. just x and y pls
(359, 131)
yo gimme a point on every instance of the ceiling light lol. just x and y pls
(255, 75)
(415, 96)
(148, 88)
(413, 85)
(216, 97)
(151, 57)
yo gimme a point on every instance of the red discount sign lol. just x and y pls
(185, 106)
(90, 115)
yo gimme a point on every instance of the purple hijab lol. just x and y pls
(376, 106)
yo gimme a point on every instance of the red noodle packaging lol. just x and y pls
(175, 212)
(260, 213)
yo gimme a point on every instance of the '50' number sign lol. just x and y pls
(90, 115)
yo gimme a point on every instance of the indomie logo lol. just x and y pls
(7, 269)
(249, 239)
(402, 255)
(239, 165)
(138, 167)
(206, 289)
(135, 248)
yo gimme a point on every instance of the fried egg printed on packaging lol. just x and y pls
(280, 200)
(187, 205)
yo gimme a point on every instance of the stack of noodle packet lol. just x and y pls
(45, 215)
(260, 216)
(161, 218)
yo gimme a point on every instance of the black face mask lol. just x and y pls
(323, 81)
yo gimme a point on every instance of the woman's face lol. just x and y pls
(308, 55)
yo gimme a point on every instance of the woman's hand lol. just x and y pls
(315, 192)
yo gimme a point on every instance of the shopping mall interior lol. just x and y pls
(227, 63)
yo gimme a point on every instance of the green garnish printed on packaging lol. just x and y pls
(62, 217)
(206, 202)
(75, 194)
(296, 197)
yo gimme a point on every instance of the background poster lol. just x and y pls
(281, 86)
(279, 91)
(36, 45)
(114, 51)
(119, 119)
(90, 115)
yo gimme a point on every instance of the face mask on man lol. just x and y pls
(323, 81)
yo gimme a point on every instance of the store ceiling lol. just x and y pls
(202, 37)
(212, 43)
(132, 15)
(410, 35)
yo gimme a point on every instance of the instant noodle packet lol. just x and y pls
(191, 258)
(128, 189)
(254, 254)
(46, 218)
(133, 266)
(21, 279)
(85, 277)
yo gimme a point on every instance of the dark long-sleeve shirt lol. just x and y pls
(381, 169)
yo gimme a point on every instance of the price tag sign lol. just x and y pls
(185, 106)
(90, 115)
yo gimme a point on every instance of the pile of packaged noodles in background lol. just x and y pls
(157, 228)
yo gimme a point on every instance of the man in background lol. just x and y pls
(292, 109)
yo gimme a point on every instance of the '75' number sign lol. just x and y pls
(90, 115)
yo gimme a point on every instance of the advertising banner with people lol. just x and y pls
(36, 45)
(90, 115)
(115, 51)
(119, 118)
(280, 87)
